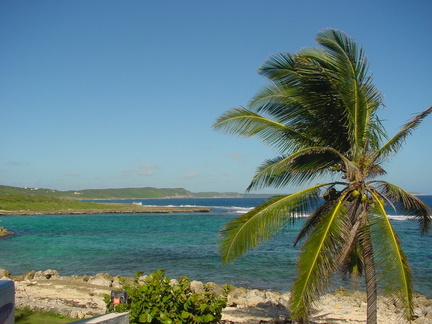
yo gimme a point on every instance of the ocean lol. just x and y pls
(183, 244)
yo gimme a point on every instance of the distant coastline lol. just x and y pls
(124, 193)
(131, 210)
(35, 201)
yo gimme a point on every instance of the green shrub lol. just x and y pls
(158, 300)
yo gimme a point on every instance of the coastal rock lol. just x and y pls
(5, 232)
(51, 274)
(29, 275)
(117, 282)
(79, 278)
(119, 210)
(423, 307)
(78, 298)
(38, 275)
(197, 286)
(46, 275)
(4, 274)
(251, 298)
(101, 279)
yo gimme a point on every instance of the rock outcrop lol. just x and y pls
(5, 232)
(82, 296)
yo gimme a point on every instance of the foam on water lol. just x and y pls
(401, 217)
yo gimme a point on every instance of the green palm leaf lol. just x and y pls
(249, 230)
(300, 167)
(245, 123)
(308, 97)
(395, 143)
(314, 219)
(411, 204)
(349, 73)
(294, 169)
(317, 261)
(395, 274)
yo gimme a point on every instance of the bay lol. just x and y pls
(183, 244)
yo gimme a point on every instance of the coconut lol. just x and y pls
(355, 193)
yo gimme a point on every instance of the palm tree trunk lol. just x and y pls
(371, 281)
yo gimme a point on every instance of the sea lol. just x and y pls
(182, 244)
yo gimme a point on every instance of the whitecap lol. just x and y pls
(400, 217)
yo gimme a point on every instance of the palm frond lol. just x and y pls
(300, 167)
(396, 142)
(309, 98)
(349, 74)
(276, 101)
(247, 231)
(294, 169)
(281, 68)
(246, 123)
(411, 204)
(314, 218)
(317, 260)
(395, 273)
(285, 105)
(375, 170)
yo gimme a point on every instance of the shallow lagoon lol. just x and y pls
(182, 244)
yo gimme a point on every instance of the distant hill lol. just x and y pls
(122, 193)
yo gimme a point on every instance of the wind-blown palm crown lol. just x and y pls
(320, 113)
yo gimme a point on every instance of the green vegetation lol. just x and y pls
(120, 193)
(29, 316)
(45, 204)
(158, 300)
(320, 113)
(42, 203)
(125, 193)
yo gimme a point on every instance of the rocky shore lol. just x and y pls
(5, 232)
(82, 296)
(129, 210)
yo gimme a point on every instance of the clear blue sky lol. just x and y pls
(109, 94)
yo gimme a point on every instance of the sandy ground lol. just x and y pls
(82, 297)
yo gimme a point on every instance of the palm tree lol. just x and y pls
(320, 113)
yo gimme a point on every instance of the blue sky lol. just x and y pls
(110, 94)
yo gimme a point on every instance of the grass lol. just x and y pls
(46, 204)
(28, 316)
(18, 204)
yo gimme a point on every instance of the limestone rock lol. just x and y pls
(29, 275)
(102, 279)
(5, 232)
(73, 296)
(117, 282)
(4, 274)
(51, 274)
(45, 275)
(197, 286)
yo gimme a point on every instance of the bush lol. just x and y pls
(158, 300)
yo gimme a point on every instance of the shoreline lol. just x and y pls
(82, 297)
(126, 210)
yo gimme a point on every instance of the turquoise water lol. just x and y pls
(182, 244)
